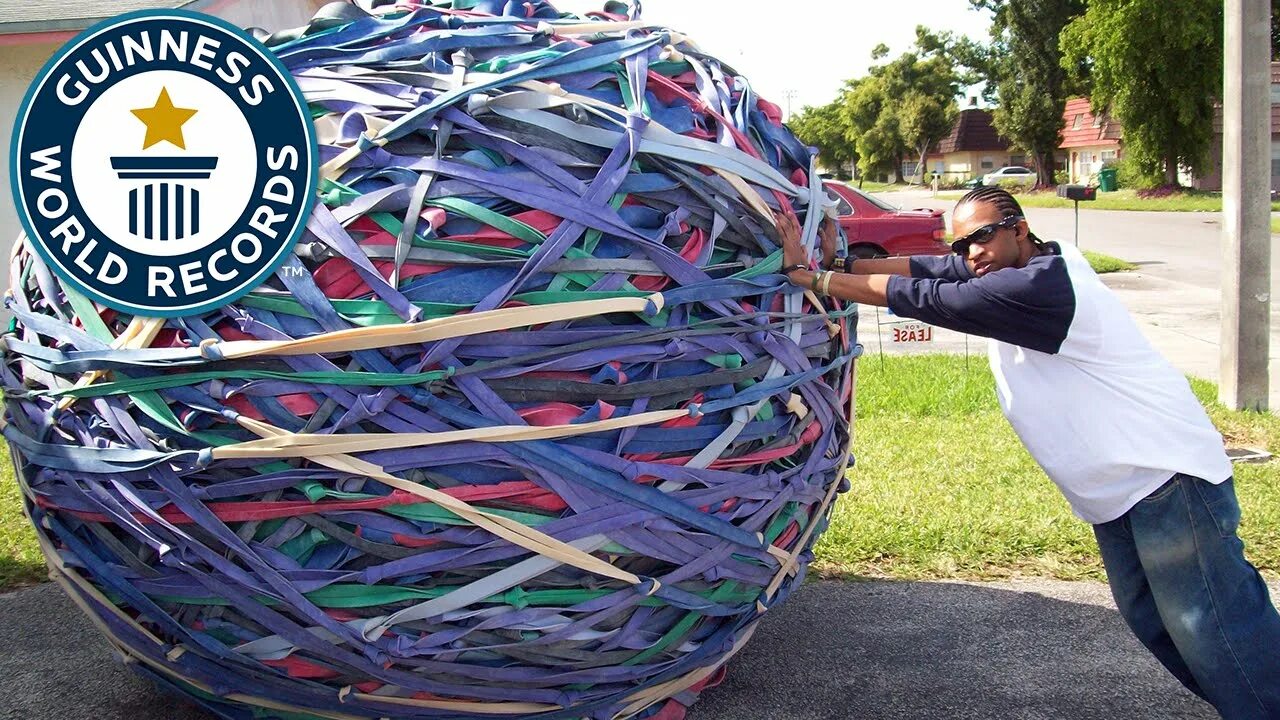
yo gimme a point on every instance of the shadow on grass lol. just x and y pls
(15, 574)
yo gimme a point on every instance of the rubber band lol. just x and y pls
(530, 424)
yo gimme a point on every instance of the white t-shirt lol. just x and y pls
(1106, 416)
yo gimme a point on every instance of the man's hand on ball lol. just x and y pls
(789, 230)
(828, 233)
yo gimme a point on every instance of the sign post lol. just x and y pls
(1078, 193)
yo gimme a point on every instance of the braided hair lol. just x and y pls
(1002, 200)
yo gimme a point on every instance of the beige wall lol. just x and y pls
(1083, 163)
(968, 164)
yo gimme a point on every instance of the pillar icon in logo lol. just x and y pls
(165, 205)
(164, 163)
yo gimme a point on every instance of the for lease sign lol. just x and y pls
(914, 332)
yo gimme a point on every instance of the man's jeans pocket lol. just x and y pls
(1163, 491)
(1220, 501)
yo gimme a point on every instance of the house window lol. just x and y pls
(1108, 155)
(1097, 121)
(1019, 160)
(1275, 93)
(1078, 122)
(1275, 159)
(987, 162)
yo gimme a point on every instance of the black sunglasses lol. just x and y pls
(983, 234)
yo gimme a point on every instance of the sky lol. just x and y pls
(805, 47)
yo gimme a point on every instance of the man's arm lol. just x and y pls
(940, 267)
(879, 266)
(1031, 310)
(865, 289)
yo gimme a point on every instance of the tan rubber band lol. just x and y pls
(383, 336)
(315, 445)
(140, 332)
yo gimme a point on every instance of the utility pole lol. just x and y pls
(1246, 206)
(789, 94)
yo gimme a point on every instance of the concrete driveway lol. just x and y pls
(834, 651)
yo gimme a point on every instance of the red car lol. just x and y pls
(875, 228)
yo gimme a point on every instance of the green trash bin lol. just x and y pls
(1107, 179)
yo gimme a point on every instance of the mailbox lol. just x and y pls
(1078, 192)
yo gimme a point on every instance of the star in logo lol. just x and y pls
(164, 121)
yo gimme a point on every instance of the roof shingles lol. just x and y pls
(973, 131)
(1090, 131)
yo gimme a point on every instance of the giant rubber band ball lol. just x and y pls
(530, 425)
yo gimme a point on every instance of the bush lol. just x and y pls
(1061, 177)
(1013, 187)
(1130, 175)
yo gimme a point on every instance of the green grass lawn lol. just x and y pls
(20, 560)
(943, 488)
(1275, 225)
(1106, 264)
(1186, 201)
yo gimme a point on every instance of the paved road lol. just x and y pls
(835, 650)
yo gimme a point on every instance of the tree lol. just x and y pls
(1024, 64)
(873, 127)
(928, 111)
(905, 105)
(1157, 67)
(826, 127)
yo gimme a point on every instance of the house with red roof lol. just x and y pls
(1089, 141)
(975, 148)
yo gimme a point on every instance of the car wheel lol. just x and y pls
(865, 252)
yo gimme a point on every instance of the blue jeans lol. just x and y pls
(1179, 576)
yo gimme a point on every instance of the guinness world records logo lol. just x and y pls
(163, 163)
